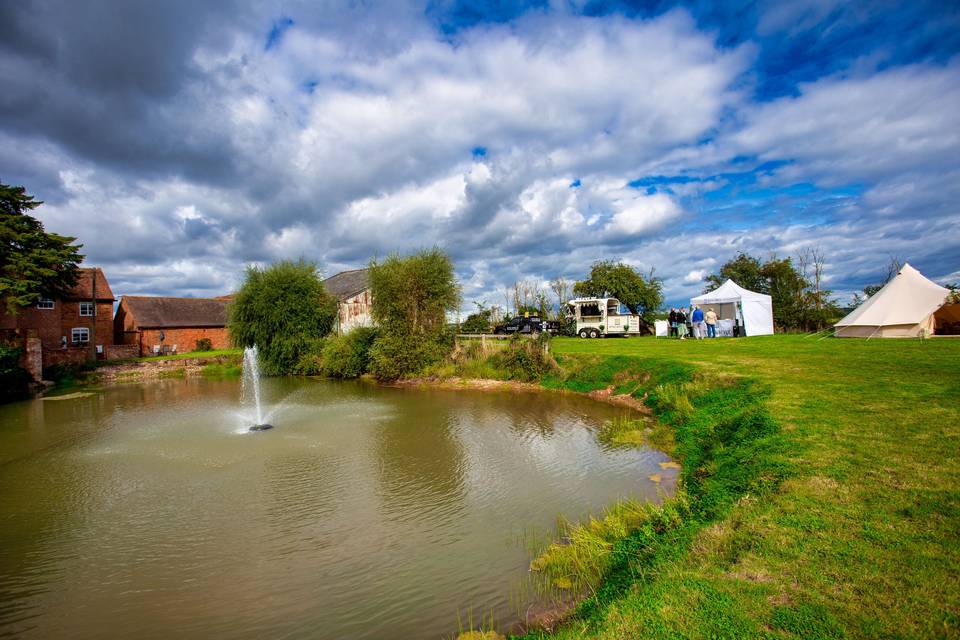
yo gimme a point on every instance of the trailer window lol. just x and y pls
(589, 309)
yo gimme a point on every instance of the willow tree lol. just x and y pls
(285, 311)
(412, 296)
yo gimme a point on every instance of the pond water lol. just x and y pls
(368, 512)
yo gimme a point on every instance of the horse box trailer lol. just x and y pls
(596, 317)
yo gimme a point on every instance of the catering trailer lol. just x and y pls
(596, 317)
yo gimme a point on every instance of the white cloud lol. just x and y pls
(348, 141)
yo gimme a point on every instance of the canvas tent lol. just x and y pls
(906, 307)
(733, 302)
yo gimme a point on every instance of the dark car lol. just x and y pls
(531, 324)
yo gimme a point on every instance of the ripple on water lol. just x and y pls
(142, 512)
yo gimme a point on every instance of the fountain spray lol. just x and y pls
(251, 386)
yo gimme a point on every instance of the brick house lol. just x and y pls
(160, 324)
(352, 290)
(70, 328)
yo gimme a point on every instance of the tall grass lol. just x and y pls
(730, 448)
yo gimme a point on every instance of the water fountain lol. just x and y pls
(250, 389)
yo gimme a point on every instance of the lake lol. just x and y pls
(147, 510)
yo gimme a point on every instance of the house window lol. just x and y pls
(80, 335)
(86, 308)
(44, 303)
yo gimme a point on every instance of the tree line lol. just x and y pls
(286, 311)
(796, 287)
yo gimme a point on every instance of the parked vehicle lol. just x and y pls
(527, 324)
(596, 317)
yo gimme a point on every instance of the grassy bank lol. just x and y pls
(191, 355)
(822, 490)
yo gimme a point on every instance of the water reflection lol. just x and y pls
(367, 513)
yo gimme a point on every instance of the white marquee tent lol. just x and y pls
(731, 301)
(904, 308)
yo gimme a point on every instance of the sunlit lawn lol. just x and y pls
(864, 540)
(202, 355)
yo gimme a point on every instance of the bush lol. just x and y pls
(525, 359)
(310, 362)
(283, 310)
(348, 356)
(66, 374)
(14, 379)
(412, 296)
(204, 344)
(478, 322)
(394, 356)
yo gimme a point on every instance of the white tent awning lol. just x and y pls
(756, 308)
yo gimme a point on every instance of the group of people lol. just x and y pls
(694, 322)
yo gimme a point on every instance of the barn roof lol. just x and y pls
(158, 312)
(348, 283)
(83, 290)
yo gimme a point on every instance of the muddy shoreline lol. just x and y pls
(484, 384)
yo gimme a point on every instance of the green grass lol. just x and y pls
(823, 478)
(200, 355)
(222, 370)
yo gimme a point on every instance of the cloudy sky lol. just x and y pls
(181, 140)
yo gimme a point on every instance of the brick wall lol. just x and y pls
(45, 322)
(74, 355)
(70, 318)
(121, 351)
(185, 338)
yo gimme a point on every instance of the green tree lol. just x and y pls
(799, 302)
(477, 322)
(33, 263)
(642, 295)
(745, 270)
(786, 287)
(285, 311)
(412, 296)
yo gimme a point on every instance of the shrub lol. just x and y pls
(525, 359)
(348, 356)
(478, 322)
(204, 344)
(67, 373)
(310, 362)
(14, 379)
(394, 356)
(282, 309)
(411, 298)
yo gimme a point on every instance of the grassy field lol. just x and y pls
(862, 537)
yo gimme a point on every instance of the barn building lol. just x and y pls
(352, 290)
(171, 325)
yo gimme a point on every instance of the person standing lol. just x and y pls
(682, 323)
(696, 319)
(673, 321)
(711, 319)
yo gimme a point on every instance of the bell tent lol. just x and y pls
(731, 302)
(906, 307)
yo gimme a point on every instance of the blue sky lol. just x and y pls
(527, 139)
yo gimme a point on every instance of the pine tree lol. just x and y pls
(33, 263)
